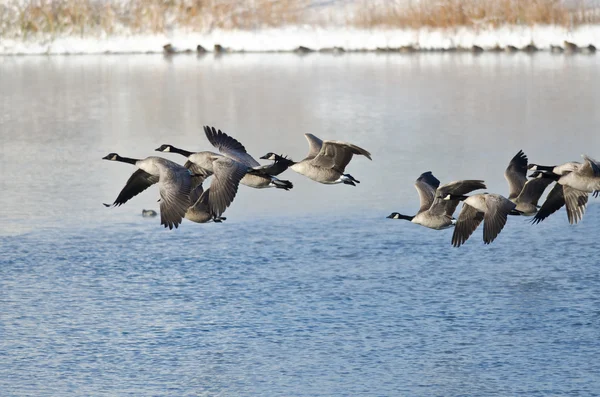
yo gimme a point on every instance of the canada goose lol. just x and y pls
(149, 213)
(200, 163)
(174, 183)
(327, 160)
(233, 149)
(227, 174)
(524, 193)
(438, 203)
(492, 209)
(574, 181)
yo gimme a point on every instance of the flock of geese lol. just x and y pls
(182, 194)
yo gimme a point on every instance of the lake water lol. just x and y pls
(310, 292)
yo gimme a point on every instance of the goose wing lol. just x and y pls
(575, 202)
(314, 146)
(456, 188)
(516, 174)
(175, 189)
(533, 190)
(139, 181)
(467, 222)
(196, 193)
(336, 155)
(229, 146)
(200, 203)
(498, 208)
(590, 167)
(426, 185)
(554, 201)
(224, 187)
(199, 173)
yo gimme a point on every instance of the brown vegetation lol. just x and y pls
(454, 13)
(23, 18)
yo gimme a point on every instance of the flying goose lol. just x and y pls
(174, 183)
(201, 162)
(524, 193)
(327, 160)
(438, 203)
(492, 209)
(232, 148)
(574, 181)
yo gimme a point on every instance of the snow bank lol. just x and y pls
(290, 38)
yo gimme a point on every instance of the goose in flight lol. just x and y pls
(174, 183)
(492, 209)
(574, 182)
(327, 160)
(201, 163)
(523, 192)
(438, 203)
(259, 177)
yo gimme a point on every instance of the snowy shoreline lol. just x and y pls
(305, 39)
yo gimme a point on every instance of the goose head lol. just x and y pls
(111, 157)
(397, 215)
(270, 156)
(164, 148)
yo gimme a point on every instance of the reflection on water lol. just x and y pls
(306, 292)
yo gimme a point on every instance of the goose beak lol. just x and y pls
(107, 157)
(390, 216)
(265, 157)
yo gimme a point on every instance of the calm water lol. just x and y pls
(310, 292)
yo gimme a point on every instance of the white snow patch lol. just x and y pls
(290, 38)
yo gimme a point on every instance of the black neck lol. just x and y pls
(181, 151)
(127, 160)
(283, 160)
(406, 217)
(544, 167)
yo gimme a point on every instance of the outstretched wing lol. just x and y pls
(336, 155)
(554, 201)
(516, 174)
(590, 167)
(576, 203)
(199, 173)
(139, 181)
(533, 190)
(314, 146)
(229, 146)
(498, 208)
(175, 189)
(456, 188)
(426, 185)
(467, 222)
(224, 187)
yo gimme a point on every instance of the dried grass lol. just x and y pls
(455, 13)
(23, 18)
(30, 17)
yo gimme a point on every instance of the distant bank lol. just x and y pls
(303, 39)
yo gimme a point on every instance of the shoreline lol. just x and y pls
(304, 40)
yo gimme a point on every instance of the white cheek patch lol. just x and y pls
(167, 149)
